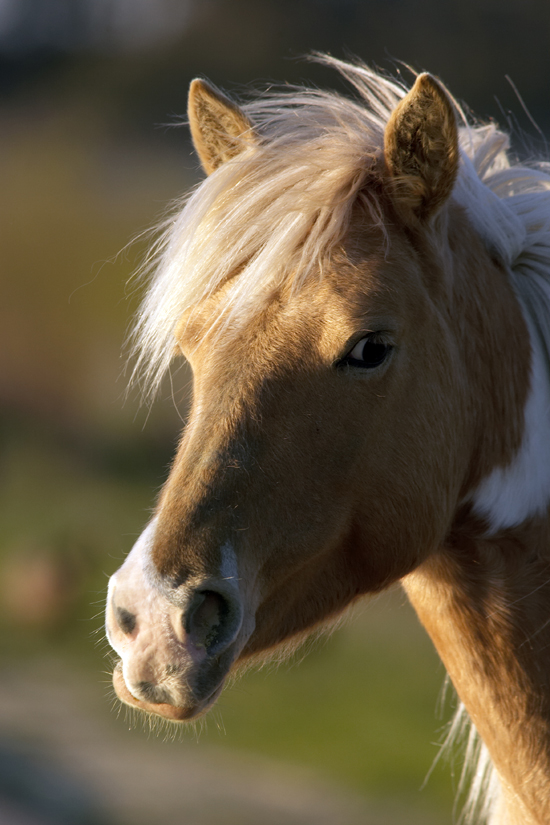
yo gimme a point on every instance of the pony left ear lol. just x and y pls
(421, 149)
(219, 128)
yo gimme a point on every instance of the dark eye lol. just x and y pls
(368, 353)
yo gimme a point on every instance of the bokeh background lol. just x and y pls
(91, 153)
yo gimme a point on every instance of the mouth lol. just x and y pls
(173, 713)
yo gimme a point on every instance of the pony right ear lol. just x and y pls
(421, 149)
(219, 128)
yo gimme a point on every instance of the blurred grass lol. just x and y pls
(360, 707)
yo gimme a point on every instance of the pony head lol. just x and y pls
(316, 283)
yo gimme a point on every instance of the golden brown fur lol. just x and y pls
(484, 603)
(304, 479)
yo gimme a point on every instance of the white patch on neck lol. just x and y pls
(510, 495)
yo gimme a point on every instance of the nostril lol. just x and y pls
(212, 621)
(205, 618)
(125, 620)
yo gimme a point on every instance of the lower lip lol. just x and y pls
(174, 714)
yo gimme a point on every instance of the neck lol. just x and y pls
(484, 602)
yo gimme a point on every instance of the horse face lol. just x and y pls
(317, 465)
(323, 455)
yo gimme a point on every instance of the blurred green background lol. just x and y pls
(90, 91)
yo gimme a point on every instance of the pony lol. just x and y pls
(362, 289)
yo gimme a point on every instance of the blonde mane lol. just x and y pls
(274, 212)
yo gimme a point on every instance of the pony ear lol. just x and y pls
(421, 149)
(219, 128)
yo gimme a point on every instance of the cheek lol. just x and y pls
(300, 598)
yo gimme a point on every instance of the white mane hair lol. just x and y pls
(273, 213)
